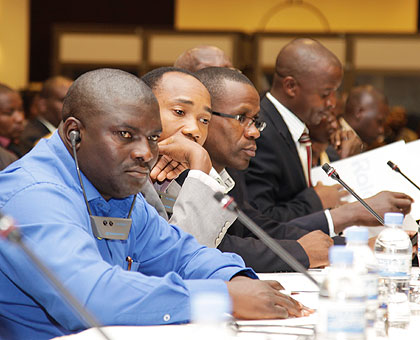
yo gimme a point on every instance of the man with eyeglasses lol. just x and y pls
(244, 120)
(231, 144)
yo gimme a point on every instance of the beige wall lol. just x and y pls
(373, 16)
(14, 42)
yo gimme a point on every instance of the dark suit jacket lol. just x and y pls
(6, 158)
(275, 180)
(255, 254)
(33, 131)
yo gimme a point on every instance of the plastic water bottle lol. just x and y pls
(393, 251)
(342, 299)
(210, 314)
(364, 262)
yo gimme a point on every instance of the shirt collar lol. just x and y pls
(51, 128)
(223, 178)
(294, 124)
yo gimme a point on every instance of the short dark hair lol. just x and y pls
(153, 77)
(92, 90)
(213, 79)
(50, 84)
(5, 89)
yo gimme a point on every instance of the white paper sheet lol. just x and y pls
(368, 173)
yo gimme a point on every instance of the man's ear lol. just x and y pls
(290, 86)
(41, 104)
(71, 131)
(359, 112)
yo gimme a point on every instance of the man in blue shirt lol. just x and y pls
(116, 118)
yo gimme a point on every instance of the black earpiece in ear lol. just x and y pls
(74, 136)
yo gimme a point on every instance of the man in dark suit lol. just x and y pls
(278, 180)
(50, 105)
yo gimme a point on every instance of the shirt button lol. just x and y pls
(166, 317)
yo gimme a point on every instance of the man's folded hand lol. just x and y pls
(255, 299)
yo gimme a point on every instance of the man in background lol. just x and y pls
(201, 57)
(12, 121)
(49, 107)
(307, 76)
(365, 113)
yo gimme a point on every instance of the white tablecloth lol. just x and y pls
(307, 293)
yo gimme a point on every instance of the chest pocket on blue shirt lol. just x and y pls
(134, 266)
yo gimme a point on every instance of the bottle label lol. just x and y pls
(394, 264)
(341, 317)
(371, 282)
(398, 307)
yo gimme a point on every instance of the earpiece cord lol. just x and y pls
(132, 206)
(73, 144)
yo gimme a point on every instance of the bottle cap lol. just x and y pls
(393, 218)
(210, 307)
(357, 234)
(340, 255)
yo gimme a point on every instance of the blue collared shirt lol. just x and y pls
(42, 192)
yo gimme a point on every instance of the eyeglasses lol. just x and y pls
(244, 120)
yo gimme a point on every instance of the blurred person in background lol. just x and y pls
(329, 141)
(49, 105)
(201, 57)
(12, 121)
(365, 113)
(396, 126)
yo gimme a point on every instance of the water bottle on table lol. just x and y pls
(364, 262)
(393, 251)
(342, 299)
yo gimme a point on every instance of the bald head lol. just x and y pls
(95, 90)
(304, 57)
(307, 76)
(366, 111)
(201, 57)
(362, 96)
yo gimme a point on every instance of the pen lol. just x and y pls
(130, 261)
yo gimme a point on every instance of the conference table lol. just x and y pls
(301, 288)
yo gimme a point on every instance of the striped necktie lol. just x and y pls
(305, 140)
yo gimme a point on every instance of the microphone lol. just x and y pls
(397, 169)
(332, 173)
(10, 232)
(227, 202)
